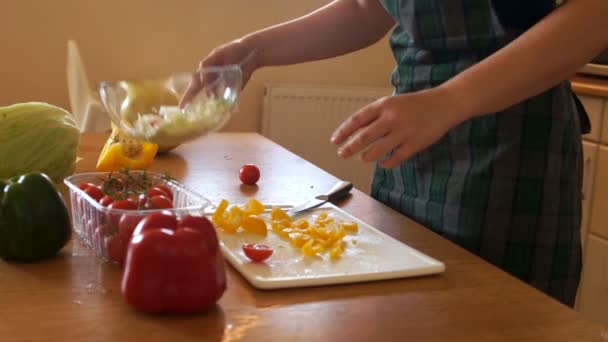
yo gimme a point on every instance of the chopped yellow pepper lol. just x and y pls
(286, 231)
(218, 214)
(279, 214)
(336, 251)
(254, 224)
(278, 225)
(324, 222)
(307, 248)
(254, 207)
(299, 239)
(231, 221)
(313, 237)
(300, 223)
(349, 226)
(338, 233)
(223, 219)
(311, 248)
(236, 214)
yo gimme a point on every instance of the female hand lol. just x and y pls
(235, 52)
(399, 126)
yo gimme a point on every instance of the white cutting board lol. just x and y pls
(369, 255)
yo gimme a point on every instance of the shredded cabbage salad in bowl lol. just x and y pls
(173, 125)
(147, 109)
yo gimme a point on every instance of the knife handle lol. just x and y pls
(339, 190)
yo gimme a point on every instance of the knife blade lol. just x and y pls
(337, 192)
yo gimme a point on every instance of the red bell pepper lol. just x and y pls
(173, 265)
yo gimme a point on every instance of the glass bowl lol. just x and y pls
(148, 109)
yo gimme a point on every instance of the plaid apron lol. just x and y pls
(505, 186)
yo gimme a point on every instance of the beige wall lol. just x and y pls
(137, 38)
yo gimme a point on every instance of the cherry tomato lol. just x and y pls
(103, 230)
(95, 192)
(257, 252)
(164, 187)
(159, 202)
(249, 174)
(127, 225)
(141, 201)
(114, 184)
(126, 204)
(163, 219)
(154, 191)
(116, 246)
(83, 186)
(99, 234)
(106, 200)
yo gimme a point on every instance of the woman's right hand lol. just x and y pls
(235, 52)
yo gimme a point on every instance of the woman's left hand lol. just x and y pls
(401, 125)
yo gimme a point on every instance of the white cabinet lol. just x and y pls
(592, 300)
(604, 137)
(594, 107)
(598, 224)
(589, 161)
(593, 295)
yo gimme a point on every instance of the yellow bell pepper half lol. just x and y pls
(126, 153)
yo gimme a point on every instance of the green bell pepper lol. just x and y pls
(34, 220)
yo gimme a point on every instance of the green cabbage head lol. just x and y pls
(37, 136)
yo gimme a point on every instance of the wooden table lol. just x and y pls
(75, 297)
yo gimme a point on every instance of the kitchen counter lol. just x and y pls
(76, 297)
(590, 85)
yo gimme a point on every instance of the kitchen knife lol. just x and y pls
(338, 191)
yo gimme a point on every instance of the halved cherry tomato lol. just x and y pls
(159, 202)
(249, 174)
(257, 252)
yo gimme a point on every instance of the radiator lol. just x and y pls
(301, 118)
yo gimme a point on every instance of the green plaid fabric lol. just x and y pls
(506, 186)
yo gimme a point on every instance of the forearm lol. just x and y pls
(548, 53)
(341, 27)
